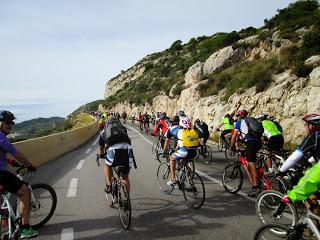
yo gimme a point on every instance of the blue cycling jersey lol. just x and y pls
(5, 147)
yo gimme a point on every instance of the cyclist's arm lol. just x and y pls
(21, 158)
(291, 161)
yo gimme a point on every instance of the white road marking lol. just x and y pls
(80, 164)
(72, 190)
(95, 142)
(67, 234)
(88, 150)
(201, 173)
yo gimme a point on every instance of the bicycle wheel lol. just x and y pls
(163, 176)
(232, 178)
(193, 190)
(271, 232)
(111, 197)
(267, 204)
(208, 154)
(229, 154)
(124, 206)
(43, 204)
(220, 144)
(156, 150)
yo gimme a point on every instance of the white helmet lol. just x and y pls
(185, 122)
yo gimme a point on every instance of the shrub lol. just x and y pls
(247, 32)
(176, 46)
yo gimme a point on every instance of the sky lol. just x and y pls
(60, 51)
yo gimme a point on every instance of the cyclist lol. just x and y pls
(228, 125)
(140, 119)
(203, 132)
(253, 145)
(188, 141)
(124, 117)
(118, 153)
(274, 136)
(271, 118)
(310, 183)
(163, 127)
(181, 114)
(8, 181)
(146, 121)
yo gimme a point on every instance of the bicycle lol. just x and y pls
(189, 182)
(43, 205)
(293, 232)
(232, 173)
(119, 196)
(205, 151)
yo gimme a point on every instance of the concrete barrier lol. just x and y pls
(44, 149)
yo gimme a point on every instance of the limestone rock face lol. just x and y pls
(194, 74)
(222, 58)
(313, 61)
(315, 77)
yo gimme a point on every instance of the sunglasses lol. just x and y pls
(10, 122)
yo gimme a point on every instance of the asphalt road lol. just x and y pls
(82, 212)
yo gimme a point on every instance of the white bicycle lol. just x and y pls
(43, 205)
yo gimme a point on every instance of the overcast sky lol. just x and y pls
(66, 50)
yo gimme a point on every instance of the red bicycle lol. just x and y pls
(232, 178)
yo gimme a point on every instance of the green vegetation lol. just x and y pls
(243, 76)
(166, 68)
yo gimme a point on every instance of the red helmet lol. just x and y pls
(312, 118)
(242, 113)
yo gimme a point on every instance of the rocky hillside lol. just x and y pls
(274, 69)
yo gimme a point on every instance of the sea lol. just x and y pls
(28, 111)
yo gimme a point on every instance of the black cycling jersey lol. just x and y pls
(311, 144)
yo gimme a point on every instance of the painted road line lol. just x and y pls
(151, 143)
(201, 173)
(95, 142)
(220, 183)
(72, 190)
(67, 234)
(80, 164)
(88, 150)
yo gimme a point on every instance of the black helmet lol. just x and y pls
(181, 114)
(197, 121)
(6, 116)
(176, 119)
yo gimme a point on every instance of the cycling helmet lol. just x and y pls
(175, 119)
(312, 118)
(185, 122)
(6, 116)
(197, 121)
(261, 116)
(242, 113)
(181, 114)
(227, 115)
(163, 115)
(269, 117)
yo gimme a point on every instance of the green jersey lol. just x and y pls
(270, 128)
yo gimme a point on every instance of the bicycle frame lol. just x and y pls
(15, 217)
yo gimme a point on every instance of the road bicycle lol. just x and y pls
(157, 148)
(232, 177)
(204, 151)
(119, 197)
(293, 231)
(43, 205)
(189, 182)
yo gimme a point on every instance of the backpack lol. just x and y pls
(190, 138)
(255, 127)
(115, 132)
(203, 131)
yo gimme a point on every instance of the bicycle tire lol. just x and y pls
(156, 148)
(193, 192)
(220, 145)
(271, 232)
(124, 206)
(163, 176)
(229, 154)
(266, 205)
(44, 206)
(232, 172)
(112, 195)
(208, 152)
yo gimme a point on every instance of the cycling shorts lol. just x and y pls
(10, 182)
(252, 147)
(184, 152)
(120, 157)
(275, 143)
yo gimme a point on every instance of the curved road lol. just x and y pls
(82, 212)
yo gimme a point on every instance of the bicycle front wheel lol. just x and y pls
(124, 206)
(232, 178)
(193, 190)
(43, 204)
(271, 232)
(267, 204)
(163, 176)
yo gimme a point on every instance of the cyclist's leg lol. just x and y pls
(252, 147)
(108, 169)
(180, 153)
(125, 180)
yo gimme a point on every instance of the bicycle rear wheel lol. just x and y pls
(267, 204)
(271, 232)
(163, 176)
(193, 190)
(124, 206)
(232, 178)
(43, 204)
